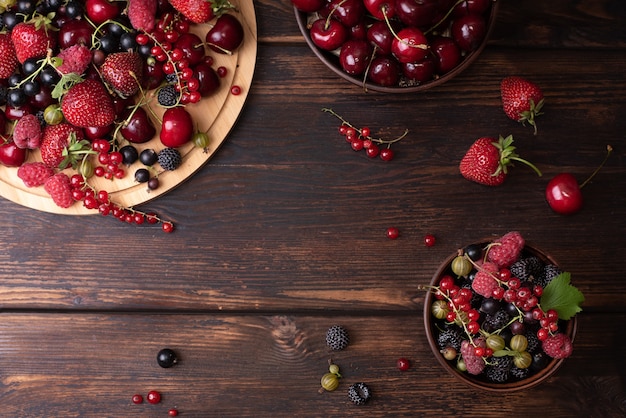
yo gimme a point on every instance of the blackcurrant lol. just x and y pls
(10, 19)
(166, 358)
(474, 251)
(31, 88)
(73, 9)
(128, 42)
(129, 154)
(49, 76)
(109, 43)
(142, 175)
(490, 306)
(14, 79)
(30, 66)
(153, 183)
(148, 156)
(16, 97)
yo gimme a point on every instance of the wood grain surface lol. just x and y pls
(282, 235)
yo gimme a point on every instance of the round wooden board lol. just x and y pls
(216, 115)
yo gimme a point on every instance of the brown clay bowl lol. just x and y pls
(569, 327)
(331, 59)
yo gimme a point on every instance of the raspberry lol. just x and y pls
(506, 250)
(34, 174)
(60, 189)
(558, 346)
(27, 132)
(170, 159)
(75, 59)
(142, 14)
(337, 337)
(484, 282)
(474, 364)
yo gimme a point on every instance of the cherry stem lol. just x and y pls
(444, 17)
(609, 150)
(395, 35)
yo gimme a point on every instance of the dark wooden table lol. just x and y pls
(282, 235)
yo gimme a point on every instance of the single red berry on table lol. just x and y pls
(429, 240)
(173, 412)
(153, 397)
(137, 399)
(403, 364)
(393, 233)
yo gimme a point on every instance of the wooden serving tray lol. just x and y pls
(216, 115)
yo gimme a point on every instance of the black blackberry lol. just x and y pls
(496, 321)
(359, 393)
(498, 369)
(169, 158)
(337, 337)
(518, 373)
(550, 271)
(168, 96)
(526, 267)
(171, 78)
(533, 342)
(451, 337)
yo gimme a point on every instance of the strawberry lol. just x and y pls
(32, 39)
(123, 72)
(484, 282)
(88, 104)
(8, 59)
(558, 346)
(34, 174)
(522, 100)
(506, 250)
(201, 11)
(59, 188)
(27, 132)
(487, 160)
(142, 14)
(56, 139)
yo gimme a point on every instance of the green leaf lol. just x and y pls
(561, 296)
(64, 84)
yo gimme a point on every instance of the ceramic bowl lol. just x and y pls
(432, 331)
(331, 59)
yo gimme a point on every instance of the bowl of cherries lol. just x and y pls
(396, 46)
(499, 314)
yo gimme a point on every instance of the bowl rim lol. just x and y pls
(527, 383)
(328, 58)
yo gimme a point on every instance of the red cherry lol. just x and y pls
(348, 12)
(99, 11)
(410, 45)
(563, 192)
(11, 155)
(403, 364)
(226, 34)
(139, 127)
(308, 6)
(328, 34)
(381, 8)
(208, 79)
(416, 13)
(177, 127)
(191, 47)
(73, 32)
(354, 56)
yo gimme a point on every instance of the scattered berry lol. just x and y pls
(166, 358)
(153, 397)
(169, 159)
(337, 337)
(359, 393)
(429, 240)
(403, 364)
(557, 346)
(137, 399)
(393, 233)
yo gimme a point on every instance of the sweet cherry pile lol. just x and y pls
(361, 139)
(397, 43)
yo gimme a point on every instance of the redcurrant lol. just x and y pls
(393, 233)
(429, 240)
(403, 364)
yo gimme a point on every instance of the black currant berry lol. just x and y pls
(474, 251)
(167, 358)
(73, 9)
(142, 175)
(129, 154)
(153, 183)
(148, 156)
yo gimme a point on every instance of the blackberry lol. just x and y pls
(526, 268)
(550, 271)
(499, 369)
(359, 393)
(168, 96)
(171, 78)
(169, 158)
(451, 337)
(496, 321)
(533, 342)
(337, 337)
(518, 373)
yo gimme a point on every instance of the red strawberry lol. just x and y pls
(32, 39)
(27, 132)
(487, 160)
(522, 100)
(56, 138)
(558, 346)
(8, 59)
(59, 187)
(506, 250)
(142, 14)
(34, 174)
(123, 72)
(201, 11)
(484, 282)
(88, 104)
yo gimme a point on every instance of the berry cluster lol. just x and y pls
(488, 315)
(361, 139)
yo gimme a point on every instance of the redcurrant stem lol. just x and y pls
(377, 140)
(609, 150)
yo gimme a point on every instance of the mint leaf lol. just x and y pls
(561, 296)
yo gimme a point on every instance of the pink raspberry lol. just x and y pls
(473, 363)
(27, 132)
(558, 346)
(506, 250)
(484, 282)
(76, 59)
(60, 189)
(142, 14)
(34, 174)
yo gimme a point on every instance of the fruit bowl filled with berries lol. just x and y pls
(396, 46)
(500, 314)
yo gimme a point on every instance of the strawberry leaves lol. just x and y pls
(561, 296)
(75, 151)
